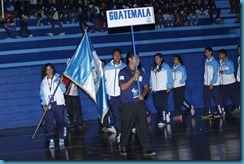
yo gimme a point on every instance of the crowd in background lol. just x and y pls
(168, 13)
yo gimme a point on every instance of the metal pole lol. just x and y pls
(43, 115)
(134, 50)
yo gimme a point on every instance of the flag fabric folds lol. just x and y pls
(85, 70)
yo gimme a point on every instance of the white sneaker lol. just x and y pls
(30, 36)
(51, 143)
(104, 130)
(168, 117)
(118, 138)
(133, 130)
(192, 110)
(61, 142)
(61, 34)
(111, 130)
(18, 37)
(50, 34)
(160, 124)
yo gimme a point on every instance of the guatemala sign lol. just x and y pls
(130, 17)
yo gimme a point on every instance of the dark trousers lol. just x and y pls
(97, 24)
(135, 113)
(238, 91)
(108, 119)
(232, 5)
(208, 93)
(24, 27)
(217, 12)
(83, 25)
(179, 100)
(229, 91)
(73, 107)
(160, 101)
(56, 112)
(8, 32)
(115, 106)
(58, 22)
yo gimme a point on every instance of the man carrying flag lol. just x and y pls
(85, 70)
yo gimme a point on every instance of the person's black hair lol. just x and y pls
(209, 49)
(44, 70)
(128, 56)
(118, 50)
(179, 58)
(131, 55)
(223, 51)
(139, 67)
(103, 61)
(154, 64)
(238, 46)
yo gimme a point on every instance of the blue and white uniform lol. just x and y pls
(179, 76)
(211, 74)
(179, 82)
(111, 77)
(238, 76)
(211, 77)
(161, 80)
(56, 108)
(228, 81)
(47, 88)
(227, 77)
(113, 91)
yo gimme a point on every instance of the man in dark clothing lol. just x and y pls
(133, 107)
(23, 17)
(212, 9)
(83, 17)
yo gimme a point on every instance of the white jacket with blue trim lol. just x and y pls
(228, 69)
(111, 78)
(45, 91)
(179, 76)
(238, 76)
(211, 73)
(161, 78)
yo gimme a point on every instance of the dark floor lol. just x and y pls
(192, 139)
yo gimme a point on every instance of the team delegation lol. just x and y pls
(127, 89)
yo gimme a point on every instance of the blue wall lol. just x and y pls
(19, 91)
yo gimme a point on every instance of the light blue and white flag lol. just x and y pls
(85, 70)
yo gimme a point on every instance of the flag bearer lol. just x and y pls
(55, 111)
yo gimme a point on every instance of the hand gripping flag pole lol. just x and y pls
(43, 115)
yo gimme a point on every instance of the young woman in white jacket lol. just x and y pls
(55, 111)
(161, 82)
(179, 78)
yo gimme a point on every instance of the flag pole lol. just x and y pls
(43, 115)
(134, 50)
